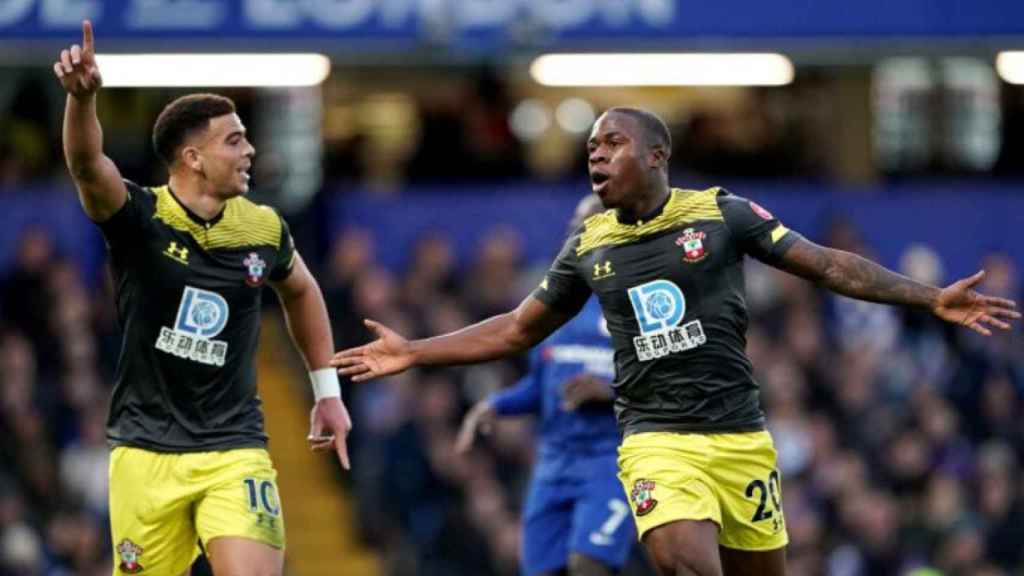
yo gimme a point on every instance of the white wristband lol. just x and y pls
(325, 383)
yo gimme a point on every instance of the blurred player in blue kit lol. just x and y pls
(576, 519)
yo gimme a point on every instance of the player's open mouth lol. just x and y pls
(598, 178)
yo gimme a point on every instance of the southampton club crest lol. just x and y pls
(129, 553)
(692, 242)
(642, 496)
(256, 267)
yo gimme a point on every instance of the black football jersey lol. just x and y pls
(672, 291)
(188, 299)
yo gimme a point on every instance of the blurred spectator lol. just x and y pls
(25, 297)
(465, 136)
(431, 275)
(752, 139)
(28, 151)
(350, 255)
(491, 285)
(85, 462)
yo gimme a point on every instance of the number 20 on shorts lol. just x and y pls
(262, 494)
(761, 491)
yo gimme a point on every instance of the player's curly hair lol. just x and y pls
(186, 116)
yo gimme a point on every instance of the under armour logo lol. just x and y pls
(177, 253)
(603, 270)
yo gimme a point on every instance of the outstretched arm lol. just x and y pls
(860, 278)
(497, 337)
(100, 188)
(310, 329)
(854, 276)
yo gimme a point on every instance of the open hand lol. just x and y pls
(76, 68)
(960, 304)
(389, 354)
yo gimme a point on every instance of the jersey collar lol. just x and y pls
(649, 216)
(196, 217)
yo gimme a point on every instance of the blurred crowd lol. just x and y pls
(57, 342)
(900, 438)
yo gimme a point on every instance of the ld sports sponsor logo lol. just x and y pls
(659, 307)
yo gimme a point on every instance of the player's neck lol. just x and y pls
(646, 206)
(194, 196)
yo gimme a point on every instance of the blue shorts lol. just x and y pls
(587, 515)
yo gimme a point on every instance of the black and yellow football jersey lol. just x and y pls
(188, 299)
(672, 291)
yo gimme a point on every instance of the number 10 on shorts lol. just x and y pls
(262, 495)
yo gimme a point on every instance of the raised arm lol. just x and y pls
(100, 187)
(497, 337)
(857, 277)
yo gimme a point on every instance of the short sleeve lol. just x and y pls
(563, 288)
(123, 230)
(285, 254)
(755, 230)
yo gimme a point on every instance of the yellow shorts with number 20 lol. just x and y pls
(730, 479)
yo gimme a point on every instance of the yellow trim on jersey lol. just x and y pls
(778, 233)
(684, 206)
(244, 223)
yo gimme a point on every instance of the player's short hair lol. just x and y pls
(184, 117)
(655, 130)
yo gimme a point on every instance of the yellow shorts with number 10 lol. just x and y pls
(162, 505)
(730, 479)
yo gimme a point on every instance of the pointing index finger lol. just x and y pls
(87, 35)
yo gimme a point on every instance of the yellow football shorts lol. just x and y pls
(730, 479)
(162, 505)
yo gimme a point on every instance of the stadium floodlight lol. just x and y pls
(668, 69)
(213, 70)
(1010, 66)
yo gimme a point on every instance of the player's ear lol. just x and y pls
(658, 157)
(190, 157)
